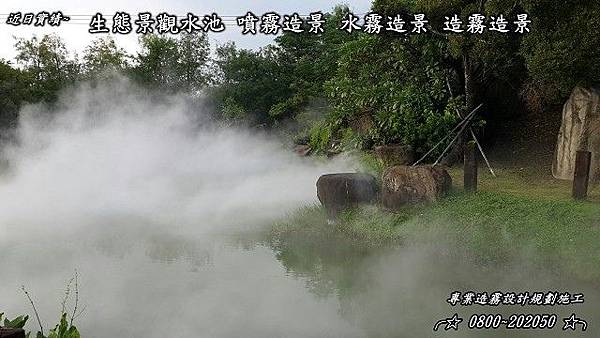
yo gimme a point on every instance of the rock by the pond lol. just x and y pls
(11, 333)
(338, 192)
(395, 154)
(404, 185)
(580, 130)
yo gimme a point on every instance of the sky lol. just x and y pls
(76, 36)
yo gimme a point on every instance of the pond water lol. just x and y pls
(164, 286)
(245, 284)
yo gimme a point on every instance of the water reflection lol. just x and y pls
(255, 284)
(402, 292)
(158, 285)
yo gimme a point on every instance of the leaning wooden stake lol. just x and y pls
(460, 126)
(470, 168)
(581, 177)
(487, 162)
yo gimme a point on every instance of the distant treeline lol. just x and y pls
(346, 90)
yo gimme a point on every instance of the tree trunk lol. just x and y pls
(469, 85)
(456, 154)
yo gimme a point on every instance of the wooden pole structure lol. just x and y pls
(470, 167)
(462, 129)
(465, 120)
(581, 178)
(487, 162)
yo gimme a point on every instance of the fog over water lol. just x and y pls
(114, 151)
(158, 209)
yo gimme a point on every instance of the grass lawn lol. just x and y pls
(519, 214)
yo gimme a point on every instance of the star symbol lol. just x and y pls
(451, 323)
(572, 321)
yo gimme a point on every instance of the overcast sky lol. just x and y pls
(75, 33)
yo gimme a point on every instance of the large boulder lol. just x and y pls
(580, 130)
(404, 185)
(395, 154)
(338, 192)
(11, 333)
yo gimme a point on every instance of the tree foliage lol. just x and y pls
(49, 63)
(175, 64)
(412, 86)
(561, 51)
(402, 89)
(311, 59)
(103, 55)
(277, 81)
(63, 329)
(251, 81)
(14, 89)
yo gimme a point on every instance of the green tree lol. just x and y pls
(477, 62)
(193, 57)
(415, 85)
(251, 80)
(155, 62)
(402, 89)
(102, 55)
(278, 81)
(175, 64)
(14, 90)
(561, 51)
(311, 60)
(49, 63)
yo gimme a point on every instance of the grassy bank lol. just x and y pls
(519, 214)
